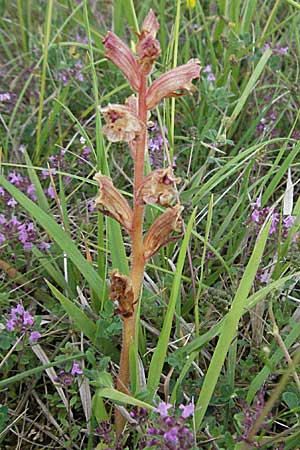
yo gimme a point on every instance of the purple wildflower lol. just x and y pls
(34, 336)
(50, 192)
(172, 435)
(10, 325)
(187, 410)
(163, 408)
(44, 246)
(21, 320)
(11, 202)
(5, 97)
(211, 77)
(76, 369)
(264, 277)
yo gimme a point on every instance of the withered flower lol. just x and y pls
(173, 83)
(112, 203)
(121, 123)
(148, 47)
(158, 187)
(123, 58)
(121, 291)
(159, 233)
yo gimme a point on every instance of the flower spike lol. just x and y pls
(118, 52)
(174, 83)
(160, 231)
(112, 203)
(158, 187)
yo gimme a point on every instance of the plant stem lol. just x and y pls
(138, 260)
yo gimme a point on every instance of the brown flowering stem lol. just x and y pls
(138, 260)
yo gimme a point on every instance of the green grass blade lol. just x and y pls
(39, 369)
(82, 322)
(159, 355)
(249, 88)
(229, 328)
(43, 77)
(40, 195)
(266, 371)
(117, 396)
(54, 273)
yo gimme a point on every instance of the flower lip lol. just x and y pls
(158, 187)
(122, 125)
(118, 52)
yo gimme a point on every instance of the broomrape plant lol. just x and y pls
(128, 123)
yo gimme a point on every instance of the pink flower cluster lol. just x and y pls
(22, 321)
(259, 214)
(171, 431)
(66, 378)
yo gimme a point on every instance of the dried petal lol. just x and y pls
(173, 83)
(159, 232)
(121, 291)
(158, 187)
(121, 123)
(123, 58)
(112, 203)
(148, 48)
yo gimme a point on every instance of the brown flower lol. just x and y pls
(160, 231)
(121, 123)
(123, 58)
(121, 291)
(173, 83)
(112, 203)
(158, 187)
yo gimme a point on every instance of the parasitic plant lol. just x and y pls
(128, 123)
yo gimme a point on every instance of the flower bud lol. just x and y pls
(121, 291)
(158, 187)
(160, 231)
(148, 48)
(118, 52)
(173, 83)
(121, 123)
(112, 203)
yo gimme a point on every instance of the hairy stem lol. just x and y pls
(138, 261)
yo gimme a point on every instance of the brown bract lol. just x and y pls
(118, 52)
(159, 233)
(122, 125)
(158, 187)
(121, 291)
(112, 203)
(174, 83)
